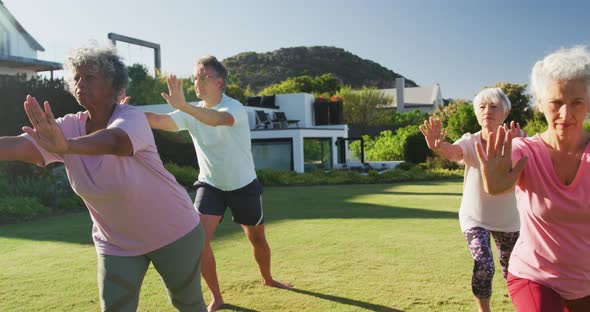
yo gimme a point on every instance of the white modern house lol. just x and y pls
(299, 145)
(18, 49)
(426, 99)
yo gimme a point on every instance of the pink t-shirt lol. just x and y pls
(554, 244)
(135, 204)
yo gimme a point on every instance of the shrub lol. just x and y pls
(20, 208)
(185, 175)
(536, 125)
(405, 166)
(415, 148)
(437, 162)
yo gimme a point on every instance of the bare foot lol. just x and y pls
(215, 305)
(277, 284)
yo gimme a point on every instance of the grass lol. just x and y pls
(391, 247)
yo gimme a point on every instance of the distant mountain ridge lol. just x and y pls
(259, 70)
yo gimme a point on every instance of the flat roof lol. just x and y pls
(19, 62)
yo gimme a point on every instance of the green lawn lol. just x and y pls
(345, 248)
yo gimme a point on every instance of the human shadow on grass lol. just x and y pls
(346, 301)
(280, 203)
(235, 308)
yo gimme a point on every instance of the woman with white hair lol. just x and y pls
(481, 215)
(140, 214)
(550, 265)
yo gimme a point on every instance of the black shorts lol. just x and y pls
(245, 203)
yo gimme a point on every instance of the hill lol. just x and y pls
(259, 70)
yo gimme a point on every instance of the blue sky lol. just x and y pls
(463, 45)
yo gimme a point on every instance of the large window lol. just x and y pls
(317, 154)
(273, 154)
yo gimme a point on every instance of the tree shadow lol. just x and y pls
(346, 301)
(280, 203)
(424, 193)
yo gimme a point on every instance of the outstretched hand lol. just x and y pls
(498, 172)
(45, 130)
(515, 130)
(124, 98)
(175, 95)
(433, 133)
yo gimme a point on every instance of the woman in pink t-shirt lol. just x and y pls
(550, 264)
(140, 214)
(481, 215)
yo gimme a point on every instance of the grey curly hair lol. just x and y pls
(102, 59)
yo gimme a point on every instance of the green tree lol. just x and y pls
(292, 85)
(145, 89)
(521, 112)
(361, 106)
(326, 84)
(462, 121)
(235, 91)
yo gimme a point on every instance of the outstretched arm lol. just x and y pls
(435, 138)
(499, 175)
(48, 135)
(20, 149)
(211, 117)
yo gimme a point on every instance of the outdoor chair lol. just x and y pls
(262, 120)
(281, 118)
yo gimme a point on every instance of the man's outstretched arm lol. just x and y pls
(161, 122)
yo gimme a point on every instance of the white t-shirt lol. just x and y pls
(478, 208)
(224, 152)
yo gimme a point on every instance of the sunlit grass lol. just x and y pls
(345, 247)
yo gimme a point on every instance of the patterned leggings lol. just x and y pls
(479, 243)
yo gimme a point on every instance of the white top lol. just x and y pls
(224, 152)
(478, 208)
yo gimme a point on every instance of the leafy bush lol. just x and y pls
(18, 208)
(270, 177)
(405, 165)
(415, 148)
(437, 162)
(185, 175)
(388, 146)
(536, 125)
(463, 121)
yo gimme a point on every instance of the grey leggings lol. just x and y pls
(479, 243)
(178, 263)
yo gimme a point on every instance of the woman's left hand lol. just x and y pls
(498, 172)
(515, 130)
(45, 130)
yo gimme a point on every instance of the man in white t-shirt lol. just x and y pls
(220, 132)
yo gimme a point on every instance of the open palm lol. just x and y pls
(45, 130)
(433, 133)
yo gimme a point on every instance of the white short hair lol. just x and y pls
(563, 64)
(493, 95)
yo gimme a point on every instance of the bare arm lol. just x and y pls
(435, 138)
(48, 135)
(20, 149)
(211, 117)
(161, 122)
